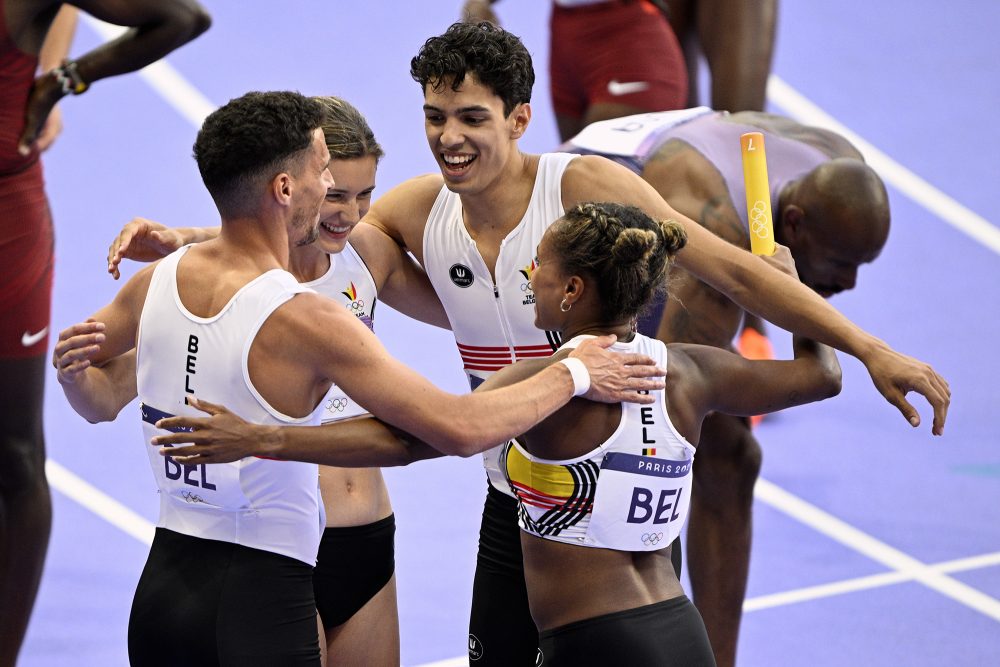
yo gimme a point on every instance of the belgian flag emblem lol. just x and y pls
(649, 452)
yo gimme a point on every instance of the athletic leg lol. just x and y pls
(720, 528)
(355, 590)
(26, 251)
(370, 638)
(25, 504)
(737, 39)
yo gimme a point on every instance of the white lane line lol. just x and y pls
(164, 79)
(955, 214)
(98, 502)
(867, 545)
(863, 583)
(461, 661)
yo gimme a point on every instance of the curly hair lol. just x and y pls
(626, 252)
(347, 133)
(251, 139)
(494, 56)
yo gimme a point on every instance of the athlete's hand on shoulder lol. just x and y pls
(782, 260)
(895, 375)
(220, 438)
(615, 376)
(75, 349)
(142, 240)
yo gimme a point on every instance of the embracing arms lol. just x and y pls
(765, 291)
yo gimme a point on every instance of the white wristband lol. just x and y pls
(581, 376)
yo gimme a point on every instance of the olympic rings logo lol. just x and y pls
(759, 219)
(337, 404)
(526, 287)
(649, 539)
(357, 305)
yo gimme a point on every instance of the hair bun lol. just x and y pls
(633, 245)
(674, 236)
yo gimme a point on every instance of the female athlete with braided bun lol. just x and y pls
(603, 489)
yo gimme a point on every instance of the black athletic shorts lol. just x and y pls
(354, 564)
(657, 635)
(202, 603)
(501, 630)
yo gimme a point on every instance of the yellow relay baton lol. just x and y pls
(758, 193)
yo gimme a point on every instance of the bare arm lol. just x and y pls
(96, 393)
(403, 284)
(355, 443)
(401, 213)
(765, 291)
(95, 360)
(157, 27)
(726, 382)
(55, 48)
(462, 425)
(144, 240)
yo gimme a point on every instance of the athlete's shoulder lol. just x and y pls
(402, 212)
(596, 178)
(377, 250)
(414, 191)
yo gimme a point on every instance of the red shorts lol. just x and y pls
(618, 52)
(26, 261)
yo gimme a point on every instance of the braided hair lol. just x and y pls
(625, 251)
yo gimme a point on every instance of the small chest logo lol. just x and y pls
(529, 293)
(461, 275)
(475, 648)
(354, 303)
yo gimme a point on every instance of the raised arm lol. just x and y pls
(156, 27)
(765, 291)
(713, 379)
